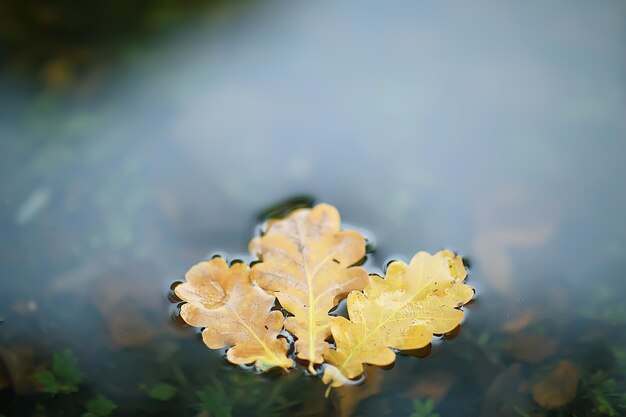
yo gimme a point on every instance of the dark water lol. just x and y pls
(498, 131)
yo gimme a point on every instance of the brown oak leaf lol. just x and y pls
(235, 313)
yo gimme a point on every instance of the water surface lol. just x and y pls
(494, 130)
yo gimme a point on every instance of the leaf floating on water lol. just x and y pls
(558, 387)
(402, 312)
(307, 262)
(235, 314)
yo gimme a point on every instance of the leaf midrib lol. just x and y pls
(312, 300)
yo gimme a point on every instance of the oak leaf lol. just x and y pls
(235, 313)
(402, 312)
(307, 262)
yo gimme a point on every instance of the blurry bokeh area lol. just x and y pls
(139, 138)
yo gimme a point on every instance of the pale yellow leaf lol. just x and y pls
(307, 262)
(402, 312)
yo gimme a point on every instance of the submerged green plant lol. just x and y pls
(63, 377)
(520, 412)
(213, 399)
(605, 395)
(620, 359)
(424, 408)
(244, 396)
(606, 307)
(99, 406)
(40, 410)
(162, 391)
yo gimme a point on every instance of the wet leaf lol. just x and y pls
(235, 314)
(307, 262)
(558, 387)
(402, 312)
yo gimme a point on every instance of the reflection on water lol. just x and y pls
(494, 130)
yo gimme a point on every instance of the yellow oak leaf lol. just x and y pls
(307, 262)
(235, 313)
(401, 312)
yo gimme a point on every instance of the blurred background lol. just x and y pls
(138, 138)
